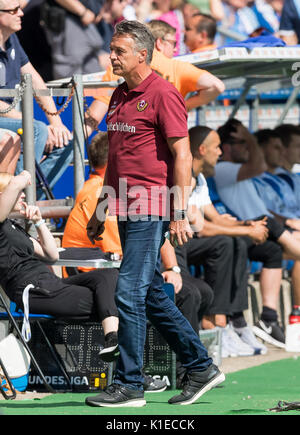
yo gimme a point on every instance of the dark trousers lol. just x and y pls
(194, 299)
(224, 260)
(83, 295)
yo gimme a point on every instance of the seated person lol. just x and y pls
(75, 231)
(52, 140)
(10, 149)
(223, 254)
(23, 262)
(243, 159)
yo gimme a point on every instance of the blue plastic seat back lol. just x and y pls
(215, 198)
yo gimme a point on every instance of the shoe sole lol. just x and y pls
(266, 337)
(136, 403)
(156, 391)
(213, 383)
(110, 354)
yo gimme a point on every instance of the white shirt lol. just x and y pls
(200, 195)
(239, 196)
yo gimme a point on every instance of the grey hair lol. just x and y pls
(141, 35)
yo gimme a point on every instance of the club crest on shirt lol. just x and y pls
(141, 105)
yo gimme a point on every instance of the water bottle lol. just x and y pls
(295, 315)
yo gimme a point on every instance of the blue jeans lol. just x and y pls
(40, 137)
(55, 165)
(56, 162)
(140, 294)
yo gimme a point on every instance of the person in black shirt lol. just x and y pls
(23, 261)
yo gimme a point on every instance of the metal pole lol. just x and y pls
(291, 100)
(28, 138)
(78, 117)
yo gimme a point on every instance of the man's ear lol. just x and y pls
(202, 149)
(143, 55)
(158, 44)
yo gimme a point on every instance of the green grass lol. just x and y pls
(247, 392)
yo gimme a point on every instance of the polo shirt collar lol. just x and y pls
(142, 86)
(8, 45)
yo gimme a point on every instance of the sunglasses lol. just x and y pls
(170, 41)
(11, 11)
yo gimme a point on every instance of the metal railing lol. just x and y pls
(25, 93)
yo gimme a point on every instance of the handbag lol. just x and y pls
(16, 361)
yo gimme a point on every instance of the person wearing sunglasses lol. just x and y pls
(50, 140)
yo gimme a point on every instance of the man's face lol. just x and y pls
(210, 152)
(239, 150)
(191, 37)
(212, 148)
(292, 152)
(123, 56)
(273, 152)
(168, 45)
(11, 21)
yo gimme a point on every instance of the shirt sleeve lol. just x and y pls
(172, 114)
(20, 52)
(189, 75)
(286, 24)
(226, 173)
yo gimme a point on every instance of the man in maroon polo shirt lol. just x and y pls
(148, 152)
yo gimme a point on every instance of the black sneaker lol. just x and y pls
(117, 396)
(152, 385)
(110, 351)
(196, 384)
(270, 332)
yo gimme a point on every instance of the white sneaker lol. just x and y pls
(247, 336)
(234, 345)
(227, 351)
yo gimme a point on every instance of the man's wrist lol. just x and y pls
(83, 13)
(179, 215)
(39, 223)
(175, 269)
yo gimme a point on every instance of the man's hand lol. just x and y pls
(31, 212)
(58, 137)
(180, 232)
(95, 227)
(173, 278)
(258, 233)
(258, 230)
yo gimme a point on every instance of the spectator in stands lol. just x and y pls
(238, 18)
(69, 24)
(10, 149)
(249, 239)
(111, 13)
(170, 11)
(290, 138)
(289, 29)
(242, 159)
(268, 13)
(277, 191)
(193, 296)
(184, 76)
(51, 140)
(200, 32)
(23, 262)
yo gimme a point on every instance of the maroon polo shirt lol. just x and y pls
(140, 164)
